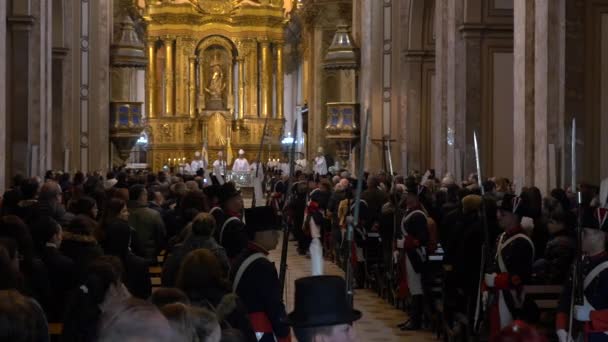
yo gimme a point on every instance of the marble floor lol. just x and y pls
(379, 318)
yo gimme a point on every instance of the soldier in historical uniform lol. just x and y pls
(512, 266)
(414, 237)
(255, 278)
(219, 169)
(594, 312)
(231, 233)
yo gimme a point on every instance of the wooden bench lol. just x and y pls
(546, 297)
(55, 331)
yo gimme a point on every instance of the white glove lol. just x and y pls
(400, 243)
(563, 336)
(527, 224)
(395, 256)
(582, 313)
(489, 279)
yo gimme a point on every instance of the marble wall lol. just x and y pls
(42, 74)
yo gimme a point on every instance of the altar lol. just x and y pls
(214, 78)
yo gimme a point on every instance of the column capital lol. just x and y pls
(60, 52)
(151, 40)
(21, 22)
(167, 38)
(264, 41)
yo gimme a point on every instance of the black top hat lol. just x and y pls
(321, 301)
(595, 218)
(227, 191)
(259, 219)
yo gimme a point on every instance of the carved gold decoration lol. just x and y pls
(194, 95)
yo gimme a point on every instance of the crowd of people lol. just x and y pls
(76, 250)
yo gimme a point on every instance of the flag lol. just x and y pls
(205, 154)
(228, 152)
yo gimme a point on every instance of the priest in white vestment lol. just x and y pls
(241, 164)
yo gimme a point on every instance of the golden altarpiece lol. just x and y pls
(215, 75)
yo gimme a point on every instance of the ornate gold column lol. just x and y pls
(192, 87)
(279, 80)
(241, 87)
(266, 73)
(201, 83)
(151, 77)
(169, 77)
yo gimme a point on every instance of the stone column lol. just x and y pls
(549, 83)
(523, 92)
(151, 99)
(455, 123)
(266, 76)
(192, 87)
(279, 92)
(169, 77)
(413, 117)
(241, 87)
(20, 25)
(59, 106)
(3, 121)
(439, 115)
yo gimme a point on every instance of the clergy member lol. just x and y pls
(257, 178)
(219, 169)
(241, 164)
(320, 165)
(301, 162)
(197, 163)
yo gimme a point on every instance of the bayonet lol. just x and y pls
(285, 245)
(485, 247)
(355, 221)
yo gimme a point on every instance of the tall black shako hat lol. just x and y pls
(595, 218)
(227, 191)
(513, 204)
(321, 301)
(259, 219)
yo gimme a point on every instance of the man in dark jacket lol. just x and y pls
(60, 267)
(375, 198)
(147, 222)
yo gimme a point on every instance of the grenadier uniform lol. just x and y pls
(414, 238)
(511, 270)
(595, 285)
(231, 232)
(256, 282)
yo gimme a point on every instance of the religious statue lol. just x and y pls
(216, 84)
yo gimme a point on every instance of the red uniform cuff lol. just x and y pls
(599, 320)
(501, 281)
(561, 321)
(411, 243)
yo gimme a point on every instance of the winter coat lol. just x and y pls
(150, 228)
(194, 242)
(82, 249)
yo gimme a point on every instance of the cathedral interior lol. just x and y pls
(90, 85)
